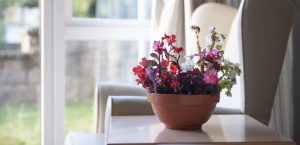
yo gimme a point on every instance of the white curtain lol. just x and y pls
(282, 113)
(168, 17)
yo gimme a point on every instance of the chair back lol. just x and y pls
(265, 29)
(257, 40)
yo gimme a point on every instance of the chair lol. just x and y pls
(261, 29)
(211, 14)
(103, 91)
(260, 26)
(264, 27)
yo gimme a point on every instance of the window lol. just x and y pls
(93, 40)
(19, 72)
(112, 9)
(103, 41)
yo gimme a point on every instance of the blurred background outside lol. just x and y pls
(19, 72)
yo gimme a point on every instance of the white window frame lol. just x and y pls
(114, 29)
(57, 27)
(52, 73)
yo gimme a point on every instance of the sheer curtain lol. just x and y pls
(282, 113)
(168, 17)
(173, 17)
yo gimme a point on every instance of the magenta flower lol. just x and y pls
(157, 45)
(211, 77)
(203, 54)
(213, 53)
(174, 83)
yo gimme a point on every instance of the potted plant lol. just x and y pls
(183, 96)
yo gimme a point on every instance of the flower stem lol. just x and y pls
(159, 69)
(198, 43)
(213, 37)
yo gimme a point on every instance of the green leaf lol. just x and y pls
(219, 47)
(222, 35)
(223, 84)
(228, 93)
(229, 87)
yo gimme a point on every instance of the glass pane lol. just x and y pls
(116, 9)
(88, 62)
(148, 7)
(84, 8)
(19, 72)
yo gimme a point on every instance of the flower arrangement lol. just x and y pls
(206, 72)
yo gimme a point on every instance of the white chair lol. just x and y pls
(261, 29)
(257, 40)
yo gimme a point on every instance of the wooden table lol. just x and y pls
(220, 129)
(147, 130)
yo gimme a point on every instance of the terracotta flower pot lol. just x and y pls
(184, 112)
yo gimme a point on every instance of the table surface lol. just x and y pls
(233, 129)
(81, 138)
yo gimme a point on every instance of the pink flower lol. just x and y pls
(164, 75)
(213, 53)
(178, 50)
(174, 83)
(140, 72)
(173, 68)
(170, 38)
(203, 54)
(143, 61)
(211, 77)
(157, 45)
(165, 63)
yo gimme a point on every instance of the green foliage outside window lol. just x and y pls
(84, 8)
(4, 4)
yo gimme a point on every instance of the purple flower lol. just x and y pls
(213, 53)
(157, 45)
(151, 75)
(211, 77)
(203, 54)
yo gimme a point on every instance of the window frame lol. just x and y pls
(114, 29)
(57, 27)
(52, 73)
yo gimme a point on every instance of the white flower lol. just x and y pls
(207, 37)
(227, 62)
(236, 64)
(232, 74)
(187, 65)
(220, 41)
(211, 29)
